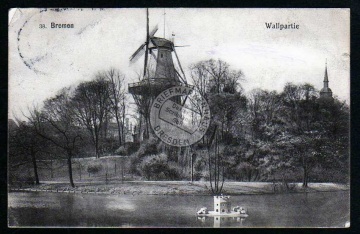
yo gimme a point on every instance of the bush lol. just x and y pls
(156, 167)
(127, 149)
(93, 169)
(134, 165)
(148, 147)
(121, 151)
(108, 146)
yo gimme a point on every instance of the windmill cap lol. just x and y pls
(161, 42)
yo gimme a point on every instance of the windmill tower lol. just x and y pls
(153, 83)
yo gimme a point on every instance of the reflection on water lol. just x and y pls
(329, 209)
(220, 221)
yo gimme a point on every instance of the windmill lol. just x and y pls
(165, 75)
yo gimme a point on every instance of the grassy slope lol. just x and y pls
(97, 182)
(109, 165)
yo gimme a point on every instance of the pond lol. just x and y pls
(41, 209)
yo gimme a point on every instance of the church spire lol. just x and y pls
(326, 91)
(326, 74)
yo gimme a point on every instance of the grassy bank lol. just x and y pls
(57, 170)
(176, 188)
(113, 177)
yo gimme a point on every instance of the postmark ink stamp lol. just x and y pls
(178, 118)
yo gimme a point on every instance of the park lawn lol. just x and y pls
(114, 178)
(57, 169)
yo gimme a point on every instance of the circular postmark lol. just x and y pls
(180, 116)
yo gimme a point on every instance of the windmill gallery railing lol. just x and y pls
(156, 83)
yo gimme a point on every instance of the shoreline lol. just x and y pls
(179, 188)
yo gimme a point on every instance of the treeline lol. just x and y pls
(264, 136)
(288, 136)
(292, 135)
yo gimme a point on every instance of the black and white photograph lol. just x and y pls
(179, 118)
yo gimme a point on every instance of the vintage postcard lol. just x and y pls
(179, 117)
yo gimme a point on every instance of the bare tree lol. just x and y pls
(56, 124)
(117, 100)
(24, 142)
(220, 86)
(215, 76)
(143, 104)
(216, 165)
(200, 78)
(91, 107)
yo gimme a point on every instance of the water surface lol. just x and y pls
(321, 209)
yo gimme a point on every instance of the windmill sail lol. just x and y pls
(159, 72)
(152, 33)
(138, 53)
(141, 50)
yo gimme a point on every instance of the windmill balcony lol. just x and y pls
(154, 85)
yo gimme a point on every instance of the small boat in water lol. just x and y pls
(222, 207)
